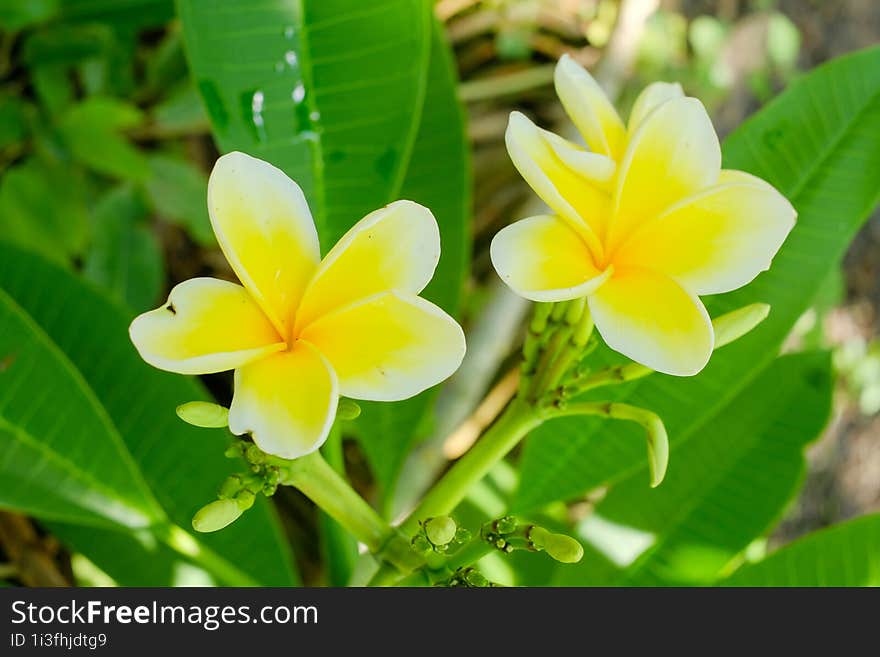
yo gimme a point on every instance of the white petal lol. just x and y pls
(286, 401)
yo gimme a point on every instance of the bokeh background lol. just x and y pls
(102, 134)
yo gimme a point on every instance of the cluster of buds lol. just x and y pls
(508, 534)
(441, 535)
(467, 578)
(239, 491)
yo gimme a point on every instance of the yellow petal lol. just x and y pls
(589, 109)
(388, 347)
(207, 325)
(654, 321)
(715, 241)
(395, 248)
(286, 401)
(263, 224)
(570, 180)
(674, 154)
(651, 98)
(542, 259)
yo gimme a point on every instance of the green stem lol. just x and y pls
(655, 431)
(314, 477)
(517, 420)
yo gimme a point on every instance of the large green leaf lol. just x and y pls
(62, 458)
(730, 483)
(819, 144)
(847, 554)
(182, 465)
(438, 177)
(326, 92)
(359, 106)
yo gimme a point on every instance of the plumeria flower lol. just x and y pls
(645, 220)
(301, 331)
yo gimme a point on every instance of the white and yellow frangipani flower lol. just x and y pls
(644, 221)
(301, 331)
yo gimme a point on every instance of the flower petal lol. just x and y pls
(542, 259)
(589, 109)
(395, 248)
(675, 153)
(652, 96)
(715, 241)
(568, 179)
(207, 325)
(654, 321)
(286, 401)
(388, 347)
(264, 227)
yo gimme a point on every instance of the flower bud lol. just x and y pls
(476, 579)
(563, 548)
(234, 451)
(245, 499)
(440, 530)
(505, 525)
(204, 414)
(347, 410)
(216, 515)
(462, 535)
(421, 544)
(231, 486)
(254, 454)
(735, 324)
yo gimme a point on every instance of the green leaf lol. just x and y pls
(183, 465)
(178, 191)
(360, 108)
(730, 483)
(22, 13)
(66, 45)
(62, 457)
(13, 120)
(438, 177)
(180, 113)
(819, 144)
(42, 207)
(130, 15)
(125, 257)
(847, 554)
(329, 94)
(92, 131)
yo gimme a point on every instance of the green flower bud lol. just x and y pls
(476, 579)
(462, 535)
(440, 530)
(204, 414)
(563, 548)
(347, 410)
(505, 525)
(421, 544)
(245, 499)
(216, 515)
(254, 454)
(234, 451)
(231, 486)
(735, 324)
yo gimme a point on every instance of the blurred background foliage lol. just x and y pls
(105, 148)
